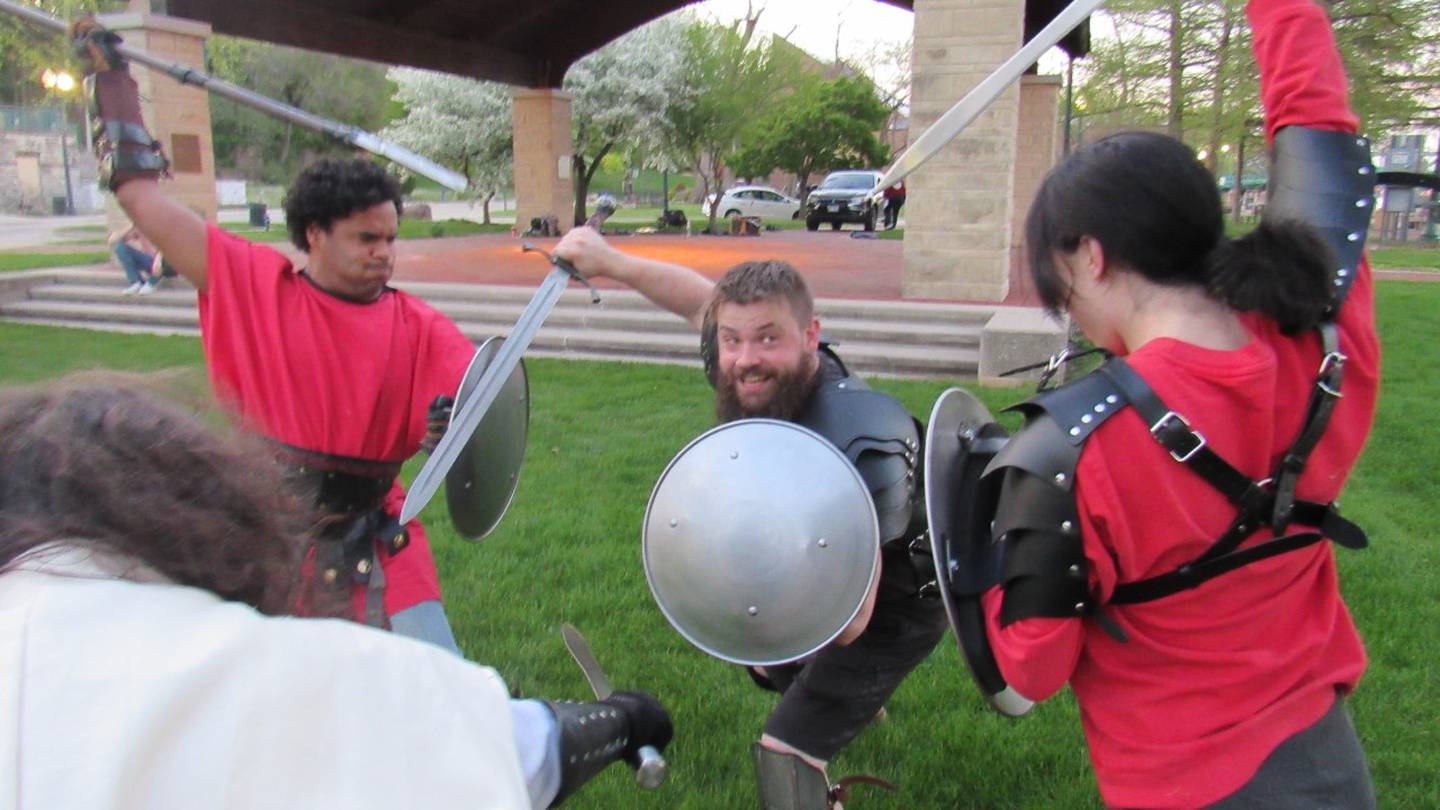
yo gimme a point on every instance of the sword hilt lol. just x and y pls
(565, 265)
(651, 769)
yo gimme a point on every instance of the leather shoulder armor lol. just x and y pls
(879, 437)
(1325, 179)
(1036, 522)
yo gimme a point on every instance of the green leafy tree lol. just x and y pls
(460, 123)
(258, 145)
(26, 49)
(820, 126)
(621, 92)
(725, 86)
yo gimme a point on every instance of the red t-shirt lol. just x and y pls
(306, 368)
(1213, 679)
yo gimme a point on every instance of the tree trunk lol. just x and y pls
(1238, 192)
(583, 174)
(1174, 125)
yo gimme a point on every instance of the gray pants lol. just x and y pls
(1321, 768)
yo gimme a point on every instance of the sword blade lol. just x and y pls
(967, 109)
(187, 75)
(584, 656)
(468, 414)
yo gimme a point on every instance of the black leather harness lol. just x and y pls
(1321, 178)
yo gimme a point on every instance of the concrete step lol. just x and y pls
(891, 338)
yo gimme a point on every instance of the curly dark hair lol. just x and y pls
(96, 459)
(334, 188)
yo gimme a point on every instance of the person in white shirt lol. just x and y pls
(148, 658)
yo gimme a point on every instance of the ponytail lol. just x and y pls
(1280, 269)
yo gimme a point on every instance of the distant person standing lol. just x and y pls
(894, 201)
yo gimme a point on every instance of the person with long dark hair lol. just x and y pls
(1199, 620)
(149, 655)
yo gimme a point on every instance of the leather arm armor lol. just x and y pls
(125, 149)
(595, 735)
(1325, 179)
(1036, 524)
(880, 438)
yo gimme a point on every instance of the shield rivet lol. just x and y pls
(1059, 478)
(734, 454)
(753, 611)
(363, 566)
(1075, 572)
(330, 576)
(1066, 526)
(1079, 607)
(1087, 419)
(674, 522)
(841, 385)
(823, 543)
(468, 484)
(1112, 399)
(1075, 431)
(1100, 408)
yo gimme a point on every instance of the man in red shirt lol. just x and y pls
(327, 360)
(1228, 693)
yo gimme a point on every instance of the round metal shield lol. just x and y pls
(760, 542)
(961, 439)
(481, 483)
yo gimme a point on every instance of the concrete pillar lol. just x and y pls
(177, 115)
(960, 207)
(1039, 147)
(543, 147)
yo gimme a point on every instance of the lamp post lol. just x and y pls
(62, 82)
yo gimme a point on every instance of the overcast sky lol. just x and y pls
(816, 25)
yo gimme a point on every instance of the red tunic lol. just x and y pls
(320, 373)
(1212, 680)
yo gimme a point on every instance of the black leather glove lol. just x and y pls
(649, 722)
(437, 419)
(593, 735)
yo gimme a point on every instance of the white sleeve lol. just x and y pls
(537, 741)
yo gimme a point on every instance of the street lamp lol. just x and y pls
(59, 81)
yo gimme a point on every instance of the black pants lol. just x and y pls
(828, 700)
(1321, 768)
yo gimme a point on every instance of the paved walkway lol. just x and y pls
(835, 264)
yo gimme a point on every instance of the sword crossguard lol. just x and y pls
(563, 264)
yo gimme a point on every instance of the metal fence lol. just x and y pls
(31, 119)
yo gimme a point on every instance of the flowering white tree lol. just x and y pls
(621, 94)
(460, 123)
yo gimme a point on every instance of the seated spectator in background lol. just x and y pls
(138, 258)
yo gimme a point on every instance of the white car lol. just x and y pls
(758, 201)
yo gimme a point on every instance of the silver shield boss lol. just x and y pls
(760, 542)
(481, 484)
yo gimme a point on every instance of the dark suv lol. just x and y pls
(848, 196)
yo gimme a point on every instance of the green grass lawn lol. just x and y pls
(569, 550)
(1413, 258)
(409, 229)
(31, 261)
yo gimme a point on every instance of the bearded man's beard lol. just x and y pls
(792, 389)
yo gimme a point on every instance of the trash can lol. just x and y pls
(259, 216)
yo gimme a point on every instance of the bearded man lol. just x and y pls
(760, 341)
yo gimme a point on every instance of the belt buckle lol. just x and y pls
(1164, 422)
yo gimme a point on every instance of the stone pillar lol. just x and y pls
(959, 209)
(178, 115)
(543, 147)
(1039, 148)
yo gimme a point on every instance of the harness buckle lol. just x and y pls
(1165, 422)
(1332, 363)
